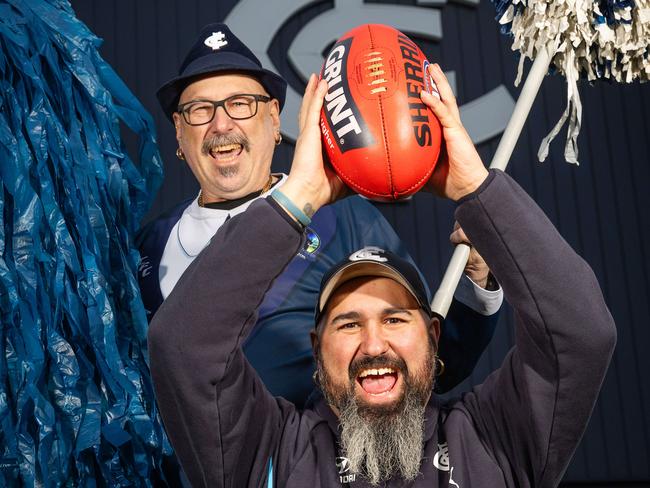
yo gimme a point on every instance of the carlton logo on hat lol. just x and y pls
(216, 41)
(370, 252)
(218, 50)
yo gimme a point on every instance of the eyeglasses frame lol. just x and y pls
(222, 103)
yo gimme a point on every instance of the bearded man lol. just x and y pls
(225, 108)
(375, 343)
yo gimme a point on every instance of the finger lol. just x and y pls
(444, 88)
(438, 180)
(342, 190)
(443, 157)
(462, 234)
(306, 99)
(316, 103)
(446, 117)
(458, 236)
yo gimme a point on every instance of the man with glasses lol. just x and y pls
(226, 110)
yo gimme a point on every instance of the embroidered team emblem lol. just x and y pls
(216, 41)
(441, 462)
(311, 246)
(441, 459)
(371, 252)
(312, 242)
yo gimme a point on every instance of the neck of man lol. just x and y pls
(229, 204)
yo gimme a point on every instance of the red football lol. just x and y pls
(379, 136)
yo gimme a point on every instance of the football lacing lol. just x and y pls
(376, 69)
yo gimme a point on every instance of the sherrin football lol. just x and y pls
(381, 139)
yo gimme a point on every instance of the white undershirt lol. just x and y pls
(191, 234)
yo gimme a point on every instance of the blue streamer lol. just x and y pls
(76, 400)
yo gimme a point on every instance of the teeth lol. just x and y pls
(376, 372)
(227, 148)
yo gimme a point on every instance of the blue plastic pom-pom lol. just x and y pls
(76, 401)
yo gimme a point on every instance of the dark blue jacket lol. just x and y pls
(518, 429)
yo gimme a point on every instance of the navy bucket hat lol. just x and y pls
(217, 50)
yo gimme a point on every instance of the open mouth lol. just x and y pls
(226, 153)
(377, 381)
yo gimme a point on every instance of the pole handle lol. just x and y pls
(442, 299)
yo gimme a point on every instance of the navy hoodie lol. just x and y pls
(518, 429)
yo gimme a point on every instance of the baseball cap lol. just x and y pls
(373, 261)
(217, 50)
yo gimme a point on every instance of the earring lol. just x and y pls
(278, 139)
(179, 154)
(315, 377)
(439, 366)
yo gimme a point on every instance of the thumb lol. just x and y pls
(458, 236)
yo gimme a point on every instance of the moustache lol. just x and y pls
(224, 140)
(375, 362)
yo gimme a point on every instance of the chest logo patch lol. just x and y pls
(309, 249)
(343, 466)
(441, 459)
(441, 462)
(312, 243)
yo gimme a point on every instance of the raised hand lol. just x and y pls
(311, 184)
(476, 267)
(460, 170)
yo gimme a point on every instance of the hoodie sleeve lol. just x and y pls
(221, 420)
(533, 411)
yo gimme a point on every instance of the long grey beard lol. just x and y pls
(381, 447)
(383, 442)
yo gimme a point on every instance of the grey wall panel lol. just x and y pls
(600, 207)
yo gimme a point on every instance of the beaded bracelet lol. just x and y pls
(289, 206)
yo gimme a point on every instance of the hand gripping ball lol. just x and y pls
(381, 139)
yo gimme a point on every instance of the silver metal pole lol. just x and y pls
(442, 299)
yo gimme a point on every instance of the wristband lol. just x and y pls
(288, 205)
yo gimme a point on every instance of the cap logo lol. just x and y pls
(370, 252)
(216, 41)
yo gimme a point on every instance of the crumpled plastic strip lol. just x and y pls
(76, 400)
(590, 39)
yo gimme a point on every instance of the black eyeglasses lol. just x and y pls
(238, 107)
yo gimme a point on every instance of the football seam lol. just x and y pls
(354, 184)
(424, 178)
(391, 188)
(347, 179)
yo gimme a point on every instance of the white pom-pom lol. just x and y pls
(583, 45)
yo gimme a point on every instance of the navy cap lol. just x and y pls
(373, 261)
(216, 50)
